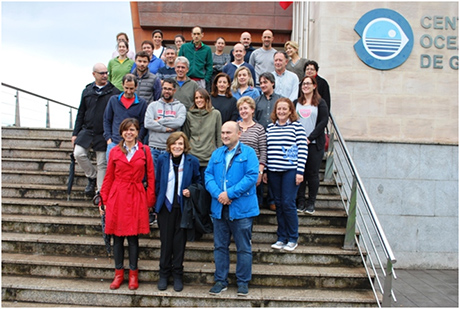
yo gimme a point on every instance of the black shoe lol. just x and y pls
(163, 284)
(310, 209)
(90, 189)
(178, 285)
(301, 208)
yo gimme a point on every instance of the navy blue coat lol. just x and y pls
(190, 175)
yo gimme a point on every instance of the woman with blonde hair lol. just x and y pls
(296, 64)
(202, 127)
(243, 84)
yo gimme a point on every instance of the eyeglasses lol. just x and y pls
(102, 73)
(167, 89)
(307, 84)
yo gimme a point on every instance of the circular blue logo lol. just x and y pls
(386, 39)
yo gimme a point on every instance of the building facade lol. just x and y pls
(397, 106)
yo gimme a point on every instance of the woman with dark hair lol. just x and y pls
(120, 65)
(311, 70)
(177, 170)
(178, 41)
(286, 156)
(127, 199)
(202, 127)
(123, 36)
(222, 98)
(313, 115)
(219, 58)
(158, 46)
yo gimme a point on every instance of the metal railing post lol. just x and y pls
(329, 159)
(349, 242)
(387, 287)
(47, 114)
(17, 117)
(70, 119)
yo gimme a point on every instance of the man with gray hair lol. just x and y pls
(287, 83)
(185, 92)
(88, 131)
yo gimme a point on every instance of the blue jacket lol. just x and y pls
(190, 175)
(116, 112)
(241, 178)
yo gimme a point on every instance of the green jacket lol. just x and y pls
(203, 131)
(200, 60)
(117, 70)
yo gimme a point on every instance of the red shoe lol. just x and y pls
(118, 280)
(133, 279)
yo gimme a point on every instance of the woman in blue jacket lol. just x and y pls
(177, 170)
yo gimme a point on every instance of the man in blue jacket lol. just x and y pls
(122, 106)
(231, 178)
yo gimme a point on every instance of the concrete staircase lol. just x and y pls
(53, 253)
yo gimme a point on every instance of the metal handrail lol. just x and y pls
(48, 101)
(339, 157)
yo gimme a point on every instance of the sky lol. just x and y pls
(49, 48)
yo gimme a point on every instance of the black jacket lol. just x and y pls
(196, 214)
(89, 121)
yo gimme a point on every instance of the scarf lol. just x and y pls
(171, 182)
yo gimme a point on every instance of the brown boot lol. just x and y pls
(133, 280)
(118, 280)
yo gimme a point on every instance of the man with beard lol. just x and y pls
(154, 63)
(163, 117)
(262, 58)
(246, 40)
(149, 87)
(88, 131)
(169, 69)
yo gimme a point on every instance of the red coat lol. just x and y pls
(124, 196)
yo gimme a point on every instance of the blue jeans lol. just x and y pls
(284, 192)
(109, 147)
(155, 154)
(241, 229)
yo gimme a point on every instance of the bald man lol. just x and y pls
(262, 58)
(88, 130)
(231, 178)
(246, 40)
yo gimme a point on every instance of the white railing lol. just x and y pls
(364, 231)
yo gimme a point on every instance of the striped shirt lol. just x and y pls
(286, 147)
(255, 137)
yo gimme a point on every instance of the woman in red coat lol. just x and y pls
(127, 201)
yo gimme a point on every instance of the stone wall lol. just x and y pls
(414, 190)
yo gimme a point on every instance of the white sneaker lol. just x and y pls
(290, 246)
(278, 245)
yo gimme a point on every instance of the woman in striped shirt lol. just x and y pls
(287, 153)
(253, 135)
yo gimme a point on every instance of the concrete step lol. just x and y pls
(91, 226)
(48, 207)
(85, 292)
(47, 165)
(311, 277)
(36, 132)
(35, 153)
(63, 143)
(20, 304)
(42, 177)
(60, 192)
(80, 245)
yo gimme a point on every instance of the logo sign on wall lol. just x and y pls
(386, 39)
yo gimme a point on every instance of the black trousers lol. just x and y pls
(119, 251)
(310, 176)
(173, 240)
